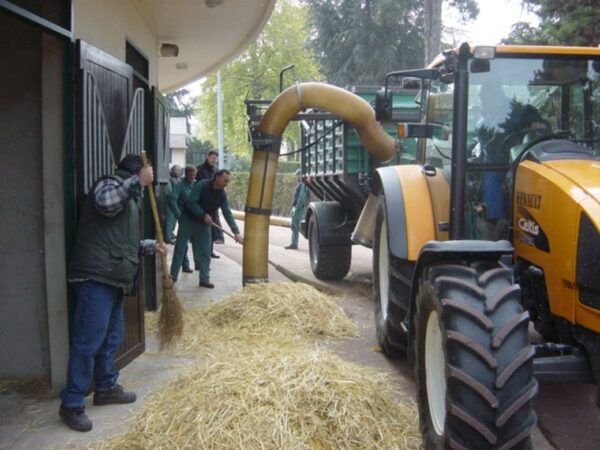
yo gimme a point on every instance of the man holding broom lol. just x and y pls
(104, 265)
(206, 198)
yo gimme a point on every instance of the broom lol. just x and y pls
(170, 321)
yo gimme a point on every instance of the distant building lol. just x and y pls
(178, 134)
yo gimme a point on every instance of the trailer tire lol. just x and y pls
(391, 290)
(327, 262)
(474, 368)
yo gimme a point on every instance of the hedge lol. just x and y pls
(285, 184)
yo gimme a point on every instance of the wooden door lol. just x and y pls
(109, 124)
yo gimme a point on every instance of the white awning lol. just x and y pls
(207, 37)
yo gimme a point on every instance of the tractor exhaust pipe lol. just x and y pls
(286, 105)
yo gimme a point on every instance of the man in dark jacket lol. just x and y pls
(104, 264)
(206, 171)
(195, 223)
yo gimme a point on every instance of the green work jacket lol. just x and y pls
(178, 195)
(107, 248)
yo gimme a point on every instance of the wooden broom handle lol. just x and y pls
(159, 233)
(223, 230)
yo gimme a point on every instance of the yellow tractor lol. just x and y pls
(487, 251)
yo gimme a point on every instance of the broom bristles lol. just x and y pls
(170, 321)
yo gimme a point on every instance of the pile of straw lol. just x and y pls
(262, 308)
(274, 310)
(265, 384)
(274, 397)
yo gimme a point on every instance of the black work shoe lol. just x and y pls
(291, 247)
(75, 418)
(214, 255)
(219, 241)
(116, 395)
(187, 270)
(206, 284)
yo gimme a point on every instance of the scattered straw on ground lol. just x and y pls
(259, 310)
(281, 396)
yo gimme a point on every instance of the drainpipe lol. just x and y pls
(286, 105)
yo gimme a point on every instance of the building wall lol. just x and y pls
(23, 317)
(178, 157)
(108, 24)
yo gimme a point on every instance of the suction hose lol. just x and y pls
(286, 105)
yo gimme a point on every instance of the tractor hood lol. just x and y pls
(584, 174)
(582, 178)
(574, 162)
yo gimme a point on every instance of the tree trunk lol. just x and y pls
(433, 29)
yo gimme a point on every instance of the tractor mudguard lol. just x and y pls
(333, 226)
(409, 209)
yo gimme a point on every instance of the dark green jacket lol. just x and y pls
(194, 208)
(178, 196)
(107, 248)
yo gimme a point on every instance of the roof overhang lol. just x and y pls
(207, 37)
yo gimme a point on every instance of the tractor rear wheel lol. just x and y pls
(391, 290)
(474, 369)
(327, 262)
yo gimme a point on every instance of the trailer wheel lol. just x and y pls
(327, 262)
(474, 369)
(391, 290)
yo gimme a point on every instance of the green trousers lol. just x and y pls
(170, 221)
(297, 217)
(200, 235)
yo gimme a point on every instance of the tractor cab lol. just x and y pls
(495, 104)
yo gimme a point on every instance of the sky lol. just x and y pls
(493, 23)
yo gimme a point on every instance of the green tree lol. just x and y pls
(562, 22)
(255, 75)
(181, 104)
(357, 42)
(468, 10)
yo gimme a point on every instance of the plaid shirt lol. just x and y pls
(112, 197)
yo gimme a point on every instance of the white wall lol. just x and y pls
(178, 157)
(177, 140)
(178, 125)
(108, 24)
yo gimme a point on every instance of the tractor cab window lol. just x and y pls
(439, 114)
(512, 103)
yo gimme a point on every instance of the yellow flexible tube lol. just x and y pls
(290, 102)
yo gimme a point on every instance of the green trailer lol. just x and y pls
(338, 170)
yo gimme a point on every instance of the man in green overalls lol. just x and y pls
(171, 219)
(299, 203)
(195, 223)
(176, 198)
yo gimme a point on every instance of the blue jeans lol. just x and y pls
(97, 334)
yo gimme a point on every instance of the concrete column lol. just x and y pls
(53, 199)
